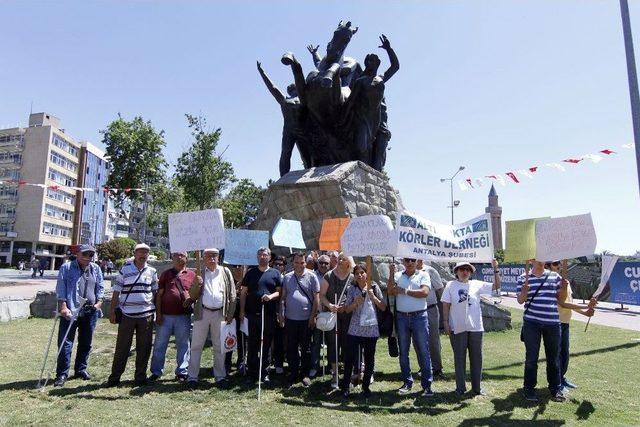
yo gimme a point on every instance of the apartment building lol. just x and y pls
(37, 219)
(92, 207)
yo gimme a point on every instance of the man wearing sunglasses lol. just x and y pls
(80, 277)
(411, 288)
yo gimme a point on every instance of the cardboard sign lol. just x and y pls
(521, 240)
(242, 245)
(332, 231)
(470, 241)
(288, 233)
(369, 235)
(192, 231)
(565, 237)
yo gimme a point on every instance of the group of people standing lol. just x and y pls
(281, 309)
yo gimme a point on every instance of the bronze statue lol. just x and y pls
(339, 113)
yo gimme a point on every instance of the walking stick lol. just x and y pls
(335, 300)
(261, 351)
(323, 350)
(46, 352)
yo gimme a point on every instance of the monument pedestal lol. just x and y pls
(311, 195)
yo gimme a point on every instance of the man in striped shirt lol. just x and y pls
(134, 292)
(540, 291)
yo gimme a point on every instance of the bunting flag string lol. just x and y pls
(514, 176)
(21, 183)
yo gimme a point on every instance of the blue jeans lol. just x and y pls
(180, 327)
(550, 334)
(85, 325)
(416, 327)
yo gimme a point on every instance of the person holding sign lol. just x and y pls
(565, 310)
(298, 306)
(260, 288)
(463, 322)
(332, 290)
(362, 300)
(214, 294)
(541, 291)
(411, 288)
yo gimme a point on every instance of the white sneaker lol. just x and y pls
(335, 385)
(313, 373)
(279, 370)
(371, 379)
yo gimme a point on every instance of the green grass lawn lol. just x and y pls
(604, 364)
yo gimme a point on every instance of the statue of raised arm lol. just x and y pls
(313, 50)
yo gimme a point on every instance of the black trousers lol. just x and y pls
(143, 328)
(298, 347)
(352, 356)
(253, 354)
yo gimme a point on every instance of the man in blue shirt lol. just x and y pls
(76, 278)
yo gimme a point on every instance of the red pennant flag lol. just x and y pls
(126, 190)
(607, 152)
(512, 176)
(533, 169)
(21, 183)
(469, 182)
(54, 187)
(574, 161)
(105, 189)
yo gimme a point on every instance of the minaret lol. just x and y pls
(496, 218)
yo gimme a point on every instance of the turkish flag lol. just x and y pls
(513, 177)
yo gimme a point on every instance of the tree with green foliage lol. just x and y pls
(200, 171)
(115, 249)
(134, 149)
(242, 204)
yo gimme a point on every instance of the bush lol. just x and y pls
(115, 249)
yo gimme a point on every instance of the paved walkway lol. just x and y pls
(17, 284)
(605, 314)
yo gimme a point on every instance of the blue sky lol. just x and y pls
(492, 85)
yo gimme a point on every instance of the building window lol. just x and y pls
(61, 178)
(63, 162)
(61, 196)
(55, 230)
(59, 213)
(9, 157)
(65, 145)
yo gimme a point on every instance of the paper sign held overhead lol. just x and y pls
(242, 245)
(332, 231)
(198, 230)
(288, 233)
(521, 240)
(565, 237)
(369, 235)
(470, 241)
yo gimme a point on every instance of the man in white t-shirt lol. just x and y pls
(463, 322)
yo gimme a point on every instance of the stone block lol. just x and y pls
(14, 308)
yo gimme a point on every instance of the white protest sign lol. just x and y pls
(242, 245)
(565, 237)
(369, 235)
(193, 231)
(420, 238)
(288, 233)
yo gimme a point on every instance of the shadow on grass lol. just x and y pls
(505, 420)
(572, 355)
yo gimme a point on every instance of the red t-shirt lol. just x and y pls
(171, 298)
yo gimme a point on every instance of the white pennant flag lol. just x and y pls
(557, 166)
(592, 157)
(501, 180)
(526, 173)
(463, 185)
(628, 145)
(478, 182)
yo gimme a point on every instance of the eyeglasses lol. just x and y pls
(323, 263)
(556, 264)
(409, 260)
(465, 269)
(89, 254)
(279, 264)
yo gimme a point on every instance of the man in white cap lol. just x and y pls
(215, 301)
(76, 278)
(134, 294)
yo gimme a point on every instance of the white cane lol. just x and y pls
(261, 351)
(335, 300)
(46, 353)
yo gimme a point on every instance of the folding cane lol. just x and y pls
(46, 352)
(261, 351)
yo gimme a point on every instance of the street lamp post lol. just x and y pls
(456, 203)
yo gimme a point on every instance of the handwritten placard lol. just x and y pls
(369, 235)
(242, 245)
(288, 233)
(192, 231)
(332, 231)
(565, 237)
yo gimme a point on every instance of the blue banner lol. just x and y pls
(508, 273)
(625, 283)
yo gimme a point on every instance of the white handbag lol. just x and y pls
(326, 320)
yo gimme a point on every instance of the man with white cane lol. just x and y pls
(259, 294)
(79, 291)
